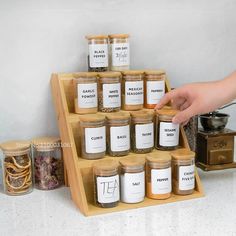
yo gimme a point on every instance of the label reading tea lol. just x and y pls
(87, 95)
(111, 95)
(155, 91)
(120, 138)
(95, 140)
(98, 55)
(161, 181)
(186, 177)
(120, 54)
(108, 189)
(134, 92)
(168, 134)
(144, 136)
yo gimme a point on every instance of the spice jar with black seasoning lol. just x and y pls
(158, 175)
(106, 183)
(109, 91)
(132, 179)
(85, 92)
(120, 52)
(132, 90)
(98, 53)
(167, 133)
(48, 163)
(118, 133)
(142, 131)
(183, 171)
(17, 167)
(154, 87)
(93, 136)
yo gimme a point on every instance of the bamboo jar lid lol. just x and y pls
(118, 116)
(89, 37)
(45, 144)
(109, 74)
(92, 118)
(182, 154)
(166, 114)
(106, 167)
(121, 36)
(85, 75)
(132, 72)
(142, 114)
(155, 72)
(132, 161)
(15, 147)
(159, 157)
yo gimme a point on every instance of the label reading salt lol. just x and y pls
(108, 189)
(98, 55)
(95, 140)
(120, 54)
(120, 138)
(144, 136)
(168, 134)
(134, 92)
(111, 95)
(161, 181)
(155, 91)
(186, 177)
(87, 95)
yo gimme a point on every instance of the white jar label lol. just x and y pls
(186, 177)
(161, 181)
(95, 140)
(111, 95)
(108, 190)
(155, 91)
(120, 54)
(120, 138)
(87, 95)
(98, 55)
(144, 136)
(168, 134)
(134, 92)
(132, 187)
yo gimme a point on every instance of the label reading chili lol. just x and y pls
(120, 54)
(134, 92)
(111, 95)
(168, 134)
(98, 55)
(144, 136)
(186, 177)
(87, 95)
(155, 91)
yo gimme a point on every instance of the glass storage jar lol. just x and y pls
(132, 90)
(85, 93)
(167, 133)
(132, 179)
(93, 136)
(109, 91)
(158, 175)
(118, 134)
(48, 163)
(17, 167)
(154, 87)
(142, 131)
(106, 183)
(183, 171)
(98, 53)
(119, 51)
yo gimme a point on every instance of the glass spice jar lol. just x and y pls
(93, 136)
(98, 53)
(132, 90)
(167, 133)
(119, 51)
(85, 92)
(183, 171)
(17, 167)
(109, 91)
(154, 87)
(106, 183)
(132, 179)
(48, 163)
(142, 131)
(118, 134)
(158, 175)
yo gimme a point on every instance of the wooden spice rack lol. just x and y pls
(79, 171)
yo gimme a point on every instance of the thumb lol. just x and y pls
(184, 115)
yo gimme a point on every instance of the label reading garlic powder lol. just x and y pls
(111, 95)
(120, 54)
(134, 92)
(98, 55)
(87, 95)
(168, 134)
(155, 91)
(144, 136)
(186, 177)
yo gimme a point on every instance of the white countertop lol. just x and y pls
(53, 213)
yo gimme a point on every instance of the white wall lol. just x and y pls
(194, 40)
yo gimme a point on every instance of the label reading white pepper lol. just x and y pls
(95, 140)
(144, 136)
(134, 92)
(87, 95)
(168, 134)
(120, 54)
(111, 95)
(98, 55)
(186, 177)
(155, 91)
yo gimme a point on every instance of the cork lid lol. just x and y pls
(166, 114)
(109, 74)
(118, 116)
(132, 72)
(46, 143)
(182, 154)
(155, 72)
(92, 118)
(15, 147)
(85, 75)
(121, 36)
(132, 161)
(106, 165)
(159, 157)
(96, 37)
(142, 114)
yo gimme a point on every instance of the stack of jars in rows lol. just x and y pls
(158, 175)
(21, 172)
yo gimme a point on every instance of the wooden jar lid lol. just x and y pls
(92, 118)
(15, 147)
(132, 161)
(89, 37)
(155, 72)
(132, 72)
(182, 154)
(118, 116)
(106, 165)
(46, 143)
(142, 114)
(85, 75)
(166, 114)
(109, 74)
(159, 157)
(121, 36)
